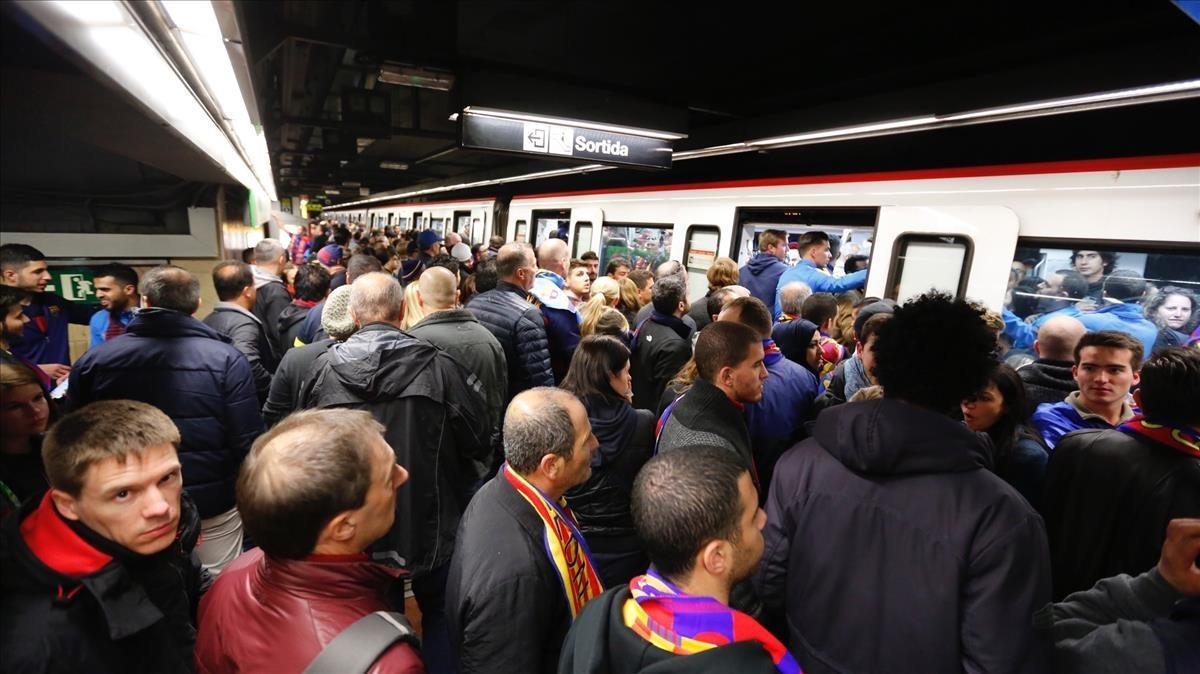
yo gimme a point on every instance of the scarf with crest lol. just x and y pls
(679, 623)
(565, 546)
(1179, 438)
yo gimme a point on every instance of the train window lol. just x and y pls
(522, 234)
(402, 222)
(700, 248)
(850, 231)
(1149, 292)
(551, 223)
(644, 246)
(583, 238)
(924, 261)
(438, 225)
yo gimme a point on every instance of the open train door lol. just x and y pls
(966, 251)
(585, 228)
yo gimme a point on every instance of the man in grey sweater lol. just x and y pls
(1147, 624)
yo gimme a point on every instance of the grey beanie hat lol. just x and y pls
(335, 316)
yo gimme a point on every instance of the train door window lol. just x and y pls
(1147, 290)
(583, 238)
(554, 223)
(921, 262)
(438, 225)
(522, 234)
(462, 224)
(643, 246)
(476, 229)
(699, 251)
(851, 232)
(418, 224)
(402, 222)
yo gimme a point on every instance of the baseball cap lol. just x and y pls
(428, 238)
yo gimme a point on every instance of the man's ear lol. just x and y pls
(716, 558)
(551, 466)
(1037, 349)
(65, 503)
(339, 529)
(1137, 399)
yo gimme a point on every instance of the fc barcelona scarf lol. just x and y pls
(565, 546)
(685, 624)
(1180, 439)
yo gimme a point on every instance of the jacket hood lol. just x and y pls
(291, 315)
(380, 361)
(762, 262)
(1054, 374)
(230, 307)
(889, 437)
(262, 278)
(156, 322)
(614, 423)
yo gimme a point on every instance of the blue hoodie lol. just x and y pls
(761, 275)
(819, 280)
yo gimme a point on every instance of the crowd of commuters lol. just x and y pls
(401, 452)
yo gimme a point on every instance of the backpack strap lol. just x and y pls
(357, 647)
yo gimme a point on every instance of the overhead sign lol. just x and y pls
(483, 132)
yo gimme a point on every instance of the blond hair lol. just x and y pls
(608, 288)
(413, 313)
(629, 295)
(601, 319)
(108, 429)
(13, 375)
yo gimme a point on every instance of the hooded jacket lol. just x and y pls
(1107, 500)
(776, 422)
(819, 280)
(260, 602)
(600, 643)
(1047, 381)
(249, 336)
(189, 371)
(291, 322)
(889, 546)
(626, 437)
(270, 302)
(1121, 317)
(560, 318)
(435, 419)
(761, 276)
(74, 601)
(518, 325)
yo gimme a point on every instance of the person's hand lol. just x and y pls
(1180, 552)
(56, 371)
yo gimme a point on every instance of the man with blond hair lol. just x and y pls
(97, 574)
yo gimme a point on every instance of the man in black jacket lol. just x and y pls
(437, 421)
(97, 575)
(521, 571)
(729, 375)
(311, 286)
(1049, 379)
(233, 318)
(889, 543)
(273, 296)
(1109, 494)
(696, 511)
(662, 343)
(518, 325)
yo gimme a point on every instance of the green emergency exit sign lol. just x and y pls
(73, 283)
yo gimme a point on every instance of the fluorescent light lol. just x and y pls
(526, 117)
(1069, 103)
(844, 132)
(92, 12)
(416, 76)
(393, 165)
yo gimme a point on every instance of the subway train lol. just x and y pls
(974, 232)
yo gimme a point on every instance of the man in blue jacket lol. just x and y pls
(562, 321)
(815, 255)
(44, 341)
(197, 378)
(761, 274)
(1106, 368)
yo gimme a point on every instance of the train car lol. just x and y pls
(473, 219)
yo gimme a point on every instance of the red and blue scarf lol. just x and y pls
(565, 546)
(1179, 438)
(679, 623)
(771, 352)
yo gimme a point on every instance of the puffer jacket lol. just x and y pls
(260, 602)
(519, 327)
(761, 276)
(74, 601)
(249, 336)
(890, 546)
(435, 420)
(189, 371)
(626, 437)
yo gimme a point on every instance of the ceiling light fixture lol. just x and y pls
(416, 76)
(528, 117)
(393, 165)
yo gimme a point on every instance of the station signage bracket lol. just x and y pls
(562, 141)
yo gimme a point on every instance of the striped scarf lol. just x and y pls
(1181, 439)
(685, 624)
(565, 546)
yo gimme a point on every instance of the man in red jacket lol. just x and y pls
(314, 492)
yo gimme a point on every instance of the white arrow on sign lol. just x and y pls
(533, 138)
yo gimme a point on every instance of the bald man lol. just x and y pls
(457, 332)
(510, 600)
(436, 419)
(1048, 379)
(562, 320)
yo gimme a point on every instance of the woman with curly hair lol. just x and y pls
(1173, 310)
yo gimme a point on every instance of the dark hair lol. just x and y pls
(11, 295)
(683, 499)
(1112, 339)
(809, 239)
(248, 255)
(641, 277)
(1171, 386)
(615, 264)
(1024, 297)
(577, 263)
(1124, 285)
(854, 263)
(341, 236)
(718, 300)
(170, 287)
(589, 255)
(1013, 422)
(667, 294)
(871, 327)
(123, 274)
(364, 264)
(312, 282)
(596, 358)
(445, 261)
(722, 344)
(1073, 283)
(915, 362)
(1107, 258)
(230, 278)
(486, 276)
(17, 255)
(753, 314)
(818, 308)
